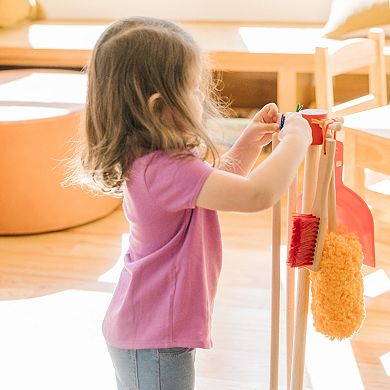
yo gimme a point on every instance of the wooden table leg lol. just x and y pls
(353, 173)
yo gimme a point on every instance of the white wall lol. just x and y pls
(251, 10)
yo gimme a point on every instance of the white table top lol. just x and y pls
(375, 121)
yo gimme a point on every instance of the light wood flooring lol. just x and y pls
(54, 289)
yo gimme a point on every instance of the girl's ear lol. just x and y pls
(152, 100)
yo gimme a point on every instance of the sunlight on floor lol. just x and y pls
(376, 283)
(382, 187)
(55, 342)
(112, 275)
(385, 359)
(336, 356)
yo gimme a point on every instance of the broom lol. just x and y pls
(308, 231)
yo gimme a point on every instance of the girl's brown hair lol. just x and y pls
(134, 59)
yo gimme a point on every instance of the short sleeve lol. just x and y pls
(174, 182)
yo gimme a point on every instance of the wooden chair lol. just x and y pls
(367, 154)
(351, 55)
(366, 129)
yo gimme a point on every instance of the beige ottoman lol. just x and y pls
(40, 113)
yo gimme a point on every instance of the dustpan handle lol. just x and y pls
(332, 215)
(339, 163)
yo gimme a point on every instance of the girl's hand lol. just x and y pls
(296, 124)
(264, 124)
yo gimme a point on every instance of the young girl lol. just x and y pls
(148, 98)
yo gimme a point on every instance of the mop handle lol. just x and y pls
(275, 305)
(290, 280)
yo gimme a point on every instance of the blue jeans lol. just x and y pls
(154, 369)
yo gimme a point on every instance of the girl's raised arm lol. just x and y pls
(242, 156)
(266, 184)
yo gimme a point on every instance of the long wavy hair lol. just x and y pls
(133, 60)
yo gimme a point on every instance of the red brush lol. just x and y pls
(303, 240)
(308, 230)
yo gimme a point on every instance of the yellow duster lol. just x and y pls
(337, 288)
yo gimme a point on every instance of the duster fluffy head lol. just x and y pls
(337, 288)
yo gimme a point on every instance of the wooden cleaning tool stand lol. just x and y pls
(302, 297)
(317, 179)
(318, 207)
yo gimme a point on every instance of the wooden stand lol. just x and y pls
(275, 305)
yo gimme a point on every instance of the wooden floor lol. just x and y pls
(54, 289)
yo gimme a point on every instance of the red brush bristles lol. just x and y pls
(303, 240)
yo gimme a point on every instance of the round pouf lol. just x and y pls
(40, 116)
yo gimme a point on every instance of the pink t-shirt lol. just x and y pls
(165, 294)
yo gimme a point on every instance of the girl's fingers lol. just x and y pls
(267, 114)
(266, 139)
(267, 128)
(271, 110)
(271, 107)
(278, 117)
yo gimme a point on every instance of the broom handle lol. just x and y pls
(275, 306)
(332, 217)
(290, 280)
(320, 206)
(309, 188)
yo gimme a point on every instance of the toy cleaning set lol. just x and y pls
(330, 235)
